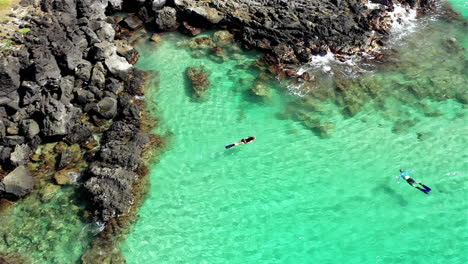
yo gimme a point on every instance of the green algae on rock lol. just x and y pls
(198, 76)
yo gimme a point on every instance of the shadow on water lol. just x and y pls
(232, 151)
(391, 193)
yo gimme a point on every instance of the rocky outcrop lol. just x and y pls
(295, 30)
(17, 183)
(198, 77)
(63, 81)
(166, 19)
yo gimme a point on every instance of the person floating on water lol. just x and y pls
(242, 141)
(405, 175)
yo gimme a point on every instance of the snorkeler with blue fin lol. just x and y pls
(405, 175)
(242, 141)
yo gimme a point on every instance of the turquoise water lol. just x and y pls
(461, 6)
(318, 184)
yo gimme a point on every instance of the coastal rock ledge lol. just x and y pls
(291, 31)
(65, 81)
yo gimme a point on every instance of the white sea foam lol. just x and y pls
(371, 5)
(297, 89)
(319, 62)
(98, 227)
(403, 21)
(351, 67)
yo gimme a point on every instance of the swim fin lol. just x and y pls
(425, 187)
(423, 190)
(230, 146)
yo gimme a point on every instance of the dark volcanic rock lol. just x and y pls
(132, 22)
(65, 72)
(83, 70)
(101, 51)
(79, 133)
(12, 141)
(298, 27)
(59, 118)
(166, 19)
(30, 92)
(107, 108)
(110, 189)
(104, 31)
(9, 76)
(136, 82)
(98, 76)
(67, 84)
(47, 71)
(126, 155)
(18, 183)
(65, 158)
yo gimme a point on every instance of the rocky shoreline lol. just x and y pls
(70, 97)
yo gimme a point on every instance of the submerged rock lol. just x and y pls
(198, 77)
(132, 22)
(260, 88)
(190, 30)
(202, 43)
(66, 176)
(156, 38)
(223, 37)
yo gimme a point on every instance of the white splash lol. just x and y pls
(403, 21)
(297, 89)
(319, 62)
(371, 5)
(98, 227)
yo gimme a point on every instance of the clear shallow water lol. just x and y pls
(293, 196)
(48, 226)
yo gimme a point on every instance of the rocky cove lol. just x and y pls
(71, 101)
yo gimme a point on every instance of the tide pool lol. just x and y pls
(298, 195)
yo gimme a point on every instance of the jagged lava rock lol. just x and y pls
(110, 189)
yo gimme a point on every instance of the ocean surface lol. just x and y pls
(318, 184)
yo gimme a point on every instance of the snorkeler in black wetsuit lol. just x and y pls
(242, 141)
(404, 174)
